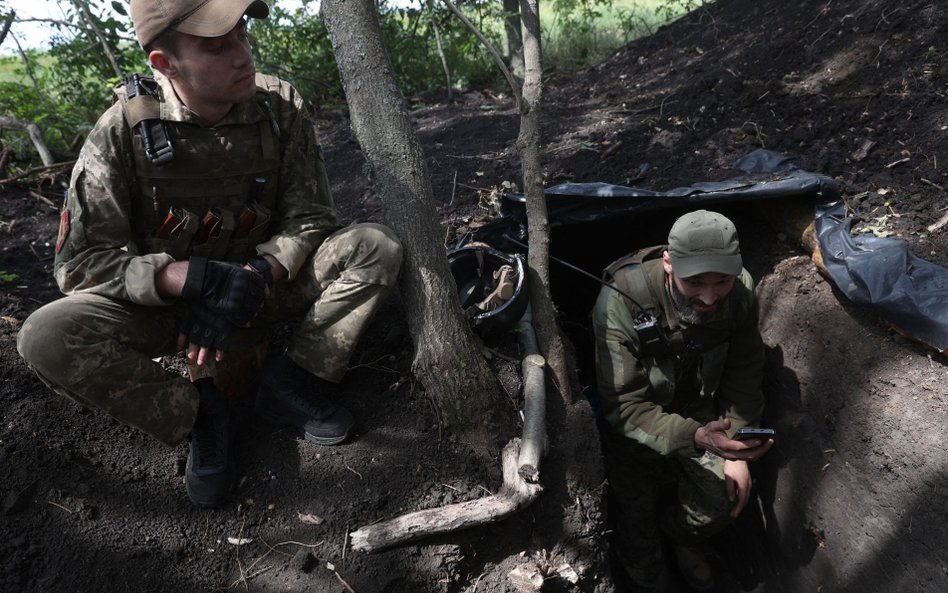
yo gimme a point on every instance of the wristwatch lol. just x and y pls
(261, 266)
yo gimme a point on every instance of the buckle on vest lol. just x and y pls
(153, 132)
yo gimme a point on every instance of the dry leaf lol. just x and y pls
(310, 519)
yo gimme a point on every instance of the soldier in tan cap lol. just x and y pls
(199, 214)
(679, 362)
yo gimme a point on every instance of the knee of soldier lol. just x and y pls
(382, 249)
(41, 340)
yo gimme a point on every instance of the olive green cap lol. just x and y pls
(703, 241)
(203, 18)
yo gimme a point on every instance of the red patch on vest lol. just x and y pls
(63, 230)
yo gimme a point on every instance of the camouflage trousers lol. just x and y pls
(640, 481)
(102, 352)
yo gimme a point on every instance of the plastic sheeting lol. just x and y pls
(908, 291)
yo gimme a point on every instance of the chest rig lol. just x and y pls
(190, 168)
(642, 299)
(689, 355)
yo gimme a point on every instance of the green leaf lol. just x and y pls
(119, 7)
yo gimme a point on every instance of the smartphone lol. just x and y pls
(762, 434)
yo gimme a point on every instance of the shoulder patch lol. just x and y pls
(63, 230)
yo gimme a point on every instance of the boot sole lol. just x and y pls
(278, 420)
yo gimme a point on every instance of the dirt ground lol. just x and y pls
(852, 498)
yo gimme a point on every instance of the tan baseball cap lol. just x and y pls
(703, 241)
(204, 18)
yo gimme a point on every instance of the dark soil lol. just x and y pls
(851, 499)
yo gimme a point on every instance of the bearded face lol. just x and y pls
(697, 298)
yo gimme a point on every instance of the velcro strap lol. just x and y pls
(194, 281)
(141, 108)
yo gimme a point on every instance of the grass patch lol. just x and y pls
(586, 36)
(12, 68)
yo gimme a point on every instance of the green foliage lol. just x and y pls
(296, 46)
(65, 88)
(582, 32)
(7, 276)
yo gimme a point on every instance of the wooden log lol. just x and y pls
(36, 136)
(514, 495)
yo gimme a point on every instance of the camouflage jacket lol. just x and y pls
(660, 401)
(106, 239)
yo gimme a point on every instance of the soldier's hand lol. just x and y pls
(738, 480)
(205, 332)
(236, 292)
(713, 437)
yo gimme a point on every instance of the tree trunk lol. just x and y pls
(447, 360)
(514, 40)
(552, 343)
(7, 21)
(433, 19)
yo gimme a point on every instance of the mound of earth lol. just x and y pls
(849, 499)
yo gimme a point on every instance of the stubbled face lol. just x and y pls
(211, 74)
(697, 298)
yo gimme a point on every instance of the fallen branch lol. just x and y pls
(514, 495)
(534, 402)
(36, 136)
(937, 225)
(54, 168)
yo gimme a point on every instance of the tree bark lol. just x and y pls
(552, 343)
(447, 360)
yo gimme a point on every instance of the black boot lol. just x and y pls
(210, 471)
(288, 396)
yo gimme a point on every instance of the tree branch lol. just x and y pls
(514, 86)
(35, 135)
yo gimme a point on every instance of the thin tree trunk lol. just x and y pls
(514, 40)
(447, 359)
(551, 340)
(444, 59)
(6, 25)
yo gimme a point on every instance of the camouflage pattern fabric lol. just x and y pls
(652, 406)
(98, 344)
(640, 481)
(99, 350)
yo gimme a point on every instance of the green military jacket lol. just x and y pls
(107, 243)
(661, 401)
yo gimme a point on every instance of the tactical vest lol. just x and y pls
(222, 169)
(692, 356)
(625, 274)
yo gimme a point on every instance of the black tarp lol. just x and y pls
(908, 291)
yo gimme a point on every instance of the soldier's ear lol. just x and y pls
(667, 263)
(162, 62)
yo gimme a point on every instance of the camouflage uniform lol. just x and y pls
(652, 406)
(98, 343)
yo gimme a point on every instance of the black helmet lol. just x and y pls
(492, 288)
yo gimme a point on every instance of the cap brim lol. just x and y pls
(685, 267)
(218, 17)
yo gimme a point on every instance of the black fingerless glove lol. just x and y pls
(207, 327)
(235, 292)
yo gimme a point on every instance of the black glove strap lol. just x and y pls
(262, 267)
(194, 281)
